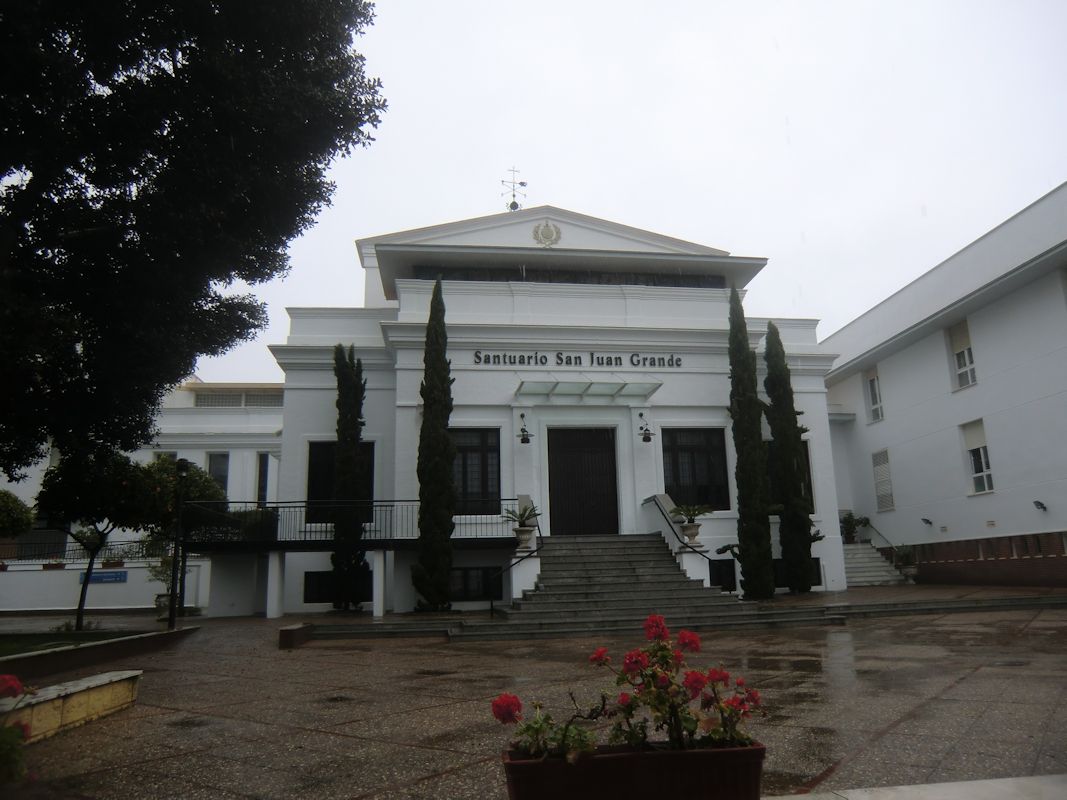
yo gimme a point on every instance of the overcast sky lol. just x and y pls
(854, 144)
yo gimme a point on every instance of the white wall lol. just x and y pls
(1020, 350)
(27, 586)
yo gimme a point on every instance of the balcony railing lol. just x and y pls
(380, 521)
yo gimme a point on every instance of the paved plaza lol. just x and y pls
(877, 702)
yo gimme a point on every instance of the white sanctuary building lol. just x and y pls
(568, 337)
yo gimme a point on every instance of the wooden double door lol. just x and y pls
(582, 486)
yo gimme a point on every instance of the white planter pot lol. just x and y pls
(691, 530)
(524, 536)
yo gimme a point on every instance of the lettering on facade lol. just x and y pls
(563, 359)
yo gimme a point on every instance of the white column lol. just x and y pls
(378, 567)
(275, 584)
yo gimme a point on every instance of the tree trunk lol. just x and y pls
(79, 619)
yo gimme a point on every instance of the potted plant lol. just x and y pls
(690, 527)
(701, 751)
(54, 564)
(522, 519)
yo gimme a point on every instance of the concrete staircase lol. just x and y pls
(865, 566)
(599, 584)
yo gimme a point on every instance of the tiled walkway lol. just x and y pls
(881, 702)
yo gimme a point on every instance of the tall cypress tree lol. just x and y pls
(350, 568)
(746, 411)
(437, 492)
(794, 527)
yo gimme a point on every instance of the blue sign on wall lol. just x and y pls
(107, 576)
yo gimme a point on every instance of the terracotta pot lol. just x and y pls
(729, 773)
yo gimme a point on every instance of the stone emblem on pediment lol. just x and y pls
(546, 234)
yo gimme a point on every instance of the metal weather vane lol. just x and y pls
(514, 185)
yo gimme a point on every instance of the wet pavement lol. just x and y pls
(879, 702)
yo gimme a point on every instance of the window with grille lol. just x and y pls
(218, 467)
(874, 396)
(476, 470)
(883, 482)
(321, 468)
(959, 337)
(977, 456)
(775, 490)
(263, 399)
(218, 399)
(694, 467)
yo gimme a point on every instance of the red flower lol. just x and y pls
(634, 661)
(734, 702)
(718, 676)
(663, 680)
(24, 729)
(507, 708)
(740, 681)
(600, 656)
(753, 696)
(695, 683)
(677, 657)
(687, 640)
(656, 628)
(10, 686)
(625, 699)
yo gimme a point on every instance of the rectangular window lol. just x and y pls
(959, 339)
(977, 456)
(218, 467)
(874, 396)
(262, 476)
(476, 470)
(320, 492)
(694, 467)
(775, 490)
(476, 583)
(218, 400)
(883, 483)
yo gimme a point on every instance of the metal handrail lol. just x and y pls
(894, 548)
(508, 567)
(681, 541)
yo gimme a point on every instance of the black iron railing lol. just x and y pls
(380, 520)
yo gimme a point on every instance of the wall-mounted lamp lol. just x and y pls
(926, 521)
(524, 435)
(1040, 506)
(644, 431)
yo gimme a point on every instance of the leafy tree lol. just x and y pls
(198, 489)
(349, 564)
(794, 527)
(203, 504)
(101, 492)
(746, 411)
(152, 155)
(437, 491)
(15, 516)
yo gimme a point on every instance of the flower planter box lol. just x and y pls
(112, 563)
(730, 773)
(53, 566)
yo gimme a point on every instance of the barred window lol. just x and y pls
(476, 470)
(694, 467)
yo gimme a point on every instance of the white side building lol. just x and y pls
(949, 404)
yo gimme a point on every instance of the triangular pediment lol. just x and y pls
(544, 227)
